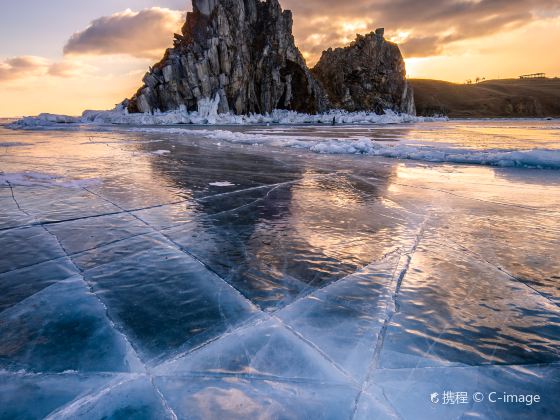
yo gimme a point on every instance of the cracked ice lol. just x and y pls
(238, 281)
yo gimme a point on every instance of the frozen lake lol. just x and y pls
(280, 272)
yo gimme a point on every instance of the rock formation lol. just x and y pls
(369, 74)
(237, 55)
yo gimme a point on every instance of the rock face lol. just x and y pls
(369, 74)
(234, 55)
(239, 56)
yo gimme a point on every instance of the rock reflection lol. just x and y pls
(285, 229)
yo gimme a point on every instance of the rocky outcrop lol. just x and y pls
(239, 56)
(369, 74)
(234, 55)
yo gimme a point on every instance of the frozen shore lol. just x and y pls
(207, 114)
(208, 124)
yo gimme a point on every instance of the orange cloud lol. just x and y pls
(25, 67)
(143, 34)
(22, 66)
(431, 25)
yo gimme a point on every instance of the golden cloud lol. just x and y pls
(143, 34)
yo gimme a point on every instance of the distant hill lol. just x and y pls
(507, 98)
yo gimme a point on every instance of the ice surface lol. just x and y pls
(235, 398)
(35, 246)
(264, 222)
(528, 256)
(118, 250)
(546, 155)
(11, 216)
(346, 336)
(499, 320)
(56, 203)
(12, 144)
(242, 275)
(80, 235)
(408, 392)
(26, 396)
(344, 320)
(167, 301)
(62, 328)
(17, 285)
(124, 398)
(43, 180)
(267, 350)
(161, 152)
(539, 158)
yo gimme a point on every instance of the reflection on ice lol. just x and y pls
(455, 310)
(165, 300)
(407, 393)
(265, 350)
(232, 280)
(239, 398)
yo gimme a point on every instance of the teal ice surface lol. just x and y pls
(225, 280)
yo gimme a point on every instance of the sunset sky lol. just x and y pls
(64, 56)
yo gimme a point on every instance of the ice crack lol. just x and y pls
(179, 248)
(15, 200)
(109, 320)
(391, 309)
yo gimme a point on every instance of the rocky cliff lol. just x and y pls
(369, 74)
(237, 55)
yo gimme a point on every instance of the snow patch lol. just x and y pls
(161, 152)
(222, 184)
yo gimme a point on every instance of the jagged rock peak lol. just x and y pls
(239, 54)
(368, 74)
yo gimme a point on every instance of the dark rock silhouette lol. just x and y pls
(369, 74)
(240, 56)
(240, 52)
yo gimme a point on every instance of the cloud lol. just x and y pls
(69, 68)
(430, 25)
(22, 67)
(424, 46)
(143, 34)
